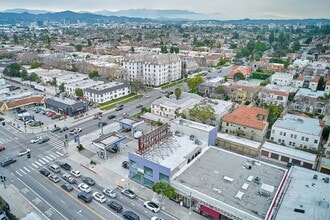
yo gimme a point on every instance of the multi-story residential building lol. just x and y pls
(70, 88)
(313, 83)
(209, 87)
(154, 70)
(274, 94)
(327, 86)
(308, 101)
(297, 131)
(249, 122)
(281, 79)
(244, 90)
(299, 82)
(106, 92)
(171, 107)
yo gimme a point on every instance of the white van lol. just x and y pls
(54, 168)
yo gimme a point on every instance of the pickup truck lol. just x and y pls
(64, 165)
(70, 179)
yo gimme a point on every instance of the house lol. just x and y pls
(274, 94)
(244, 90)
(106, 92)
(281, 79)
(297, 131)
(212, 60)
(248, 122)
(209, 87)
(154, 69)
(245, 70)
(299, 82)
(308, 101)
(275, 67)
(313, 83)
(70, 88)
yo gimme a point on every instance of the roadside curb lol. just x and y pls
(88, 168)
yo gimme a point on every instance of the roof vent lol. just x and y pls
(299, 210)
(324, 204)
(315, 177)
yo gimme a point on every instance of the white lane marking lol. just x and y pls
(49, 158)
(31, 168)
(59, 153)
(26, 169)
(22, 171)
(41, 161)
(42, 199)
(45, 160)
(52, 156)
(39, 164)
(34, 165)
(18, 173)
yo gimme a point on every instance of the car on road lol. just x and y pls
(125, 164)
(89, 180)
(139, 106)
(70, 179)
(98, 115)
(75, 130)
(44, 171)
(99, 197)
(110, 192)
(67, 187)
(43, 139)
(147, 96)
(23, 152)
(101, 124)
(119, 105)
(7, 161)
(129, 193)
(84, 187)
(56, 129)
(75, 173)
(119, 108)
(151, 206)
(85, 197)
(111, 117)
(35, 140)
(2, 148)
(65, 128)
(64, 165)
(130, 215)
(115, 206)
(156, 218)
(53, 177)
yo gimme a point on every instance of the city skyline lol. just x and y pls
(235, 9)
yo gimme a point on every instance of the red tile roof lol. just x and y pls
(315, 79)
(247, 116)
(246, 70)
(26, 101)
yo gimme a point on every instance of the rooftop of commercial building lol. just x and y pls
(232, 182)
(83, 84)
(307, 192)
(239, 140)
(299, 124)
(192, 124)
(186, 99)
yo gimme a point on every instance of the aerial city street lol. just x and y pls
(164, 111)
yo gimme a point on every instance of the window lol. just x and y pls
(134, 164)
(302, 138)
(281, 132)
(295, 136)
(148, 171)
(284, 134)
(164, 178)
(315, 141)
(290, 143)
(307, 139)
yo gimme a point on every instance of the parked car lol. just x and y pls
(2, 148)
(75, 173)
(111, 117)
(110, 192)
(151, 206)
(67, 187)
(35, 140)
(129, 193)
(139, 106)
(44, 171)
(23, 152)
(53, 177)
(84, 187)
(101, 124)
(115, 206)
(85, 197)
(50, 114)
(119, 108)
(125, 164)
(88, 180)
(99, 197)
(130, 215)
(70, 179)
(7, 162)
(98, 115)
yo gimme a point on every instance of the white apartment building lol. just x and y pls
(153, 70)
(281, 79)
(297, 131)
(70, 88)
(106, 92)
(274, 94)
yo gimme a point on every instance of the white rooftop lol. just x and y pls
(186, 99)
(192, 124)
(239, 140)
(83, 84)
(305, 193)
(290, 151)
(309, 93)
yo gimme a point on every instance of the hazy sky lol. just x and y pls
(233, 9)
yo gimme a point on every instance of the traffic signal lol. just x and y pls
(3, 123)
(28, 155)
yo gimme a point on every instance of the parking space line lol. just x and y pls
(18, 173)
(26, 169)
(52, 156)
(39, 164)
(22, 171)
(41, 161)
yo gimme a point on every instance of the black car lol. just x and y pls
(44, 171)
(102, 124)
(139, 106)
(64, 165)
(119, 108)
(125, 164)
(130, 215)
(85, 197)
(111, 116)
(7, 162)
(56, 129)
(67, 187)
(65, 128)
(88, 180)
(55, 116)
(115, 206)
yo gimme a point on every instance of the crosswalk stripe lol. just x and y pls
(52, 156)
(18, 173)
(34, 165)
(49, 158)
(26, 169)
(22, 171)
(59, 153)
(45, 160)
(41, 161)
(39, 164)
(31, 168)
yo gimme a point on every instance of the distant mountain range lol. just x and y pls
(14, 16)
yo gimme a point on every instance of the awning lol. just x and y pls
(209, 211)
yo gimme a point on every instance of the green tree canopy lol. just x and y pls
(35, 65)
(274, 112)
(295, 46)
(239, 76)
(34, 77)
(61, 87)
(79, 92)
(174, 49)
(202, 112)
(163, 49)
(78, 47)
(93, 74)
(12, 70)
(194, 82)
(164, 189)
(24, 75)
(136, 86)
(177, 93)
(321, 84)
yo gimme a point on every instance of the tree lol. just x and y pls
(321, 84)
(35, 65)
(177, 93)
(202, 113)
(78, 47)
(132, 49)
(221, 90)
(93, 74)
(24, 75)
(274, 112)
(194, 82)
(164, 189)
(136, 86)
(79, 92)
(174, 49)
(34, 77)
(12, 70)
(61, 87)
(295, 46)
(238, 76)
(163, 49)
(271, 38)
(15, 37)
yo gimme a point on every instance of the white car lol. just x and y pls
(110, 192)
(84, 187)
(151, 206)
(99, 197)
(75, 173)
(35, 140)
(23, 152)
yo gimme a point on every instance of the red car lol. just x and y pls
(50, 114)
(2, 148)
